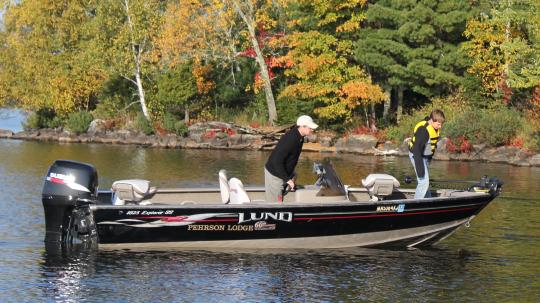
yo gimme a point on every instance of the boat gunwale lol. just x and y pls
(259, 205)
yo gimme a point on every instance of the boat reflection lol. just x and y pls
(256, 275)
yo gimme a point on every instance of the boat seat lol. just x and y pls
(224, 186)
(238, 194)
(380, 185)
(134, 190)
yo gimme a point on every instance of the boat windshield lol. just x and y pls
(328, 180)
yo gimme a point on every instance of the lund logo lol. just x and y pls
(277, 216)
(388, 208)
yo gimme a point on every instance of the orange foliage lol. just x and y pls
(533, 112)
(357, 93)
(200, 72)
(516, 142)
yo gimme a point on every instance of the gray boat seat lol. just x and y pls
(238, 194)
(380, 185)
(134, 190)
(224, 186)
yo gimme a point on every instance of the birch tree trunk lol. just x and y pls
(137, 58)
(387, 102)
(248, 19)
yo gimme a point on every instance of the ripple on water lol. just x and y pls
(492, 261)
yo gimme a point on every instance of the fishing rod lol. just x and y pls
(409, 180)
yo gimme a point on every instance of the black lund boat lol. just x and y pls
(325, 215)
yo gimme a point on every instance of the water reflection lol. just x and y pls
(348, 275)
(494, 260)
(65, 271)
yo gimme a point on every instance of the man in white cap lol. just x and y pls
(279, 169)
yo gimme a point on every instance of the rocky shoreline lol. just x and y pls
(220, 135)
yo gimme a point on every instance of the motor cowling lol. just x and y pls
(492, 186)
(68, 185)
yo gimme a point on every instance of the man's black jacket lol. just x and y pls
(284, 157)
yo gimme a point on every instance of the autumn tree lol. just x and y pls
(47, 60)
(252, 13)
(202, 33)
(504, 43)
(197, 30)
(320, 62)
(124, 33)
(216, 30)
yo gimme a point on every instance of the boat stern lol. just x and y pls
(68, 189)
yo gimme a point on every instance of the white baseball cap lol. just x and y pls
(306, 121)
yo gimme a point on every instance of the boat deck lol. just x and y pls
(307, 195)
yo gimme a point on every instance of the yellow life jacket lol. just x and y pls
(429, 150)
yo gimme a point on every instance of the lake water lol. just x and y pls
(496, 259)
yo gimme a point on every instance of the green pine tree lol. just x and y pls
(412, 47)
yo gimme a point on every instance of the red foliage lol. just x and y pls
(533, 110)
(361, 130)
(254, 125)
(459, 145)
(271, 62)
(516, 142)
(228, 131)
(209, 134)
(160, 130)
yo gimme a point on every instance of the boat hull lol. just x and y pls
(324, 215)
(381, 224)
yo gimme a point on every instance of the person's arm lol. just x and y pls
(421, 138)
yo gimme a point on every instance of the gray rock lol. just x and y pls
(518, 162)
(4, 133)
(501, 154)
(96, 126)
(441, 145)
(478, 147)
(535, 160)
(326, 141)
(218, 142)
(251, 139)
(363, 144)
(389, 146)
(311, 138)
(404, 147)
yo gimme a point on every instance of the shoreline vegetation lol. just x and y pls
(150, 72)
(228, 136)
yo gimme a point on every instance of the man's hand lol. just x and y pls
(291, 184)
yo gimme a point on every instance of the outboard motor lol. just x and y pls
(493, 186)
(68, 190)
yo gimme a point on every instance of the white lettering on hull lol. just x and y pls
(277, 216)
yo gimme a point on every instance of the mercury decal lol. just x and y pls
(277, 216)
(67, 180)
(391, 208)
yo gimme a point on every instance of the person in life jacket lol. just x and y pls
(422, 147)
